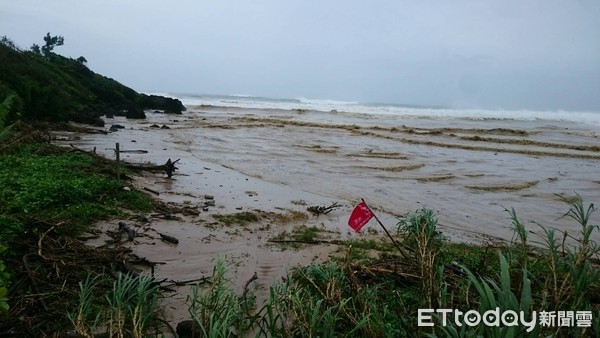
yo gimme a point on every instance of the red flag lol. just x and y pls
(361, 215)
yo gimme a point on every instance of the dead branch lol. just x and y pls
(337, 242)
(245, 293)
(130, 232)
(41, 240)
(169, 167)
(318, 210)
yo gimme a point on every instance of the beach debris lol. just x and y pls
(168, 239)
(209, 197)
(130, 232)
(152, 191)
(318, 210)
(169, 167)
(134, 151)
(116, 127)
(209, 203)
(245, 293)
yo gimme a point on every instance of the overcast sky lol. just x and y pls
(485, 54)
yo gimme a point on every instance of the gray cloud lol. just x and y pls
(511, 54)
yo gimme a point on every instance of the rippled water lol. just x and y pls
(265, 159)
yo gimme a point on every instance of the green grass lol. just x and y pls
(129, 309)
(44, 187)
(44, 184)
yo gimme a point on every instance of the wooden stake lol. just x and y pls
(384, 229)
(117, 153)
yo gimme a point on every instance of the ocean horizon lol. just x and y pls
(590, 119)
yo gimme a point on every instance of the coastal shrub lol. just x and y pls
(322, 301)
(421, 235)
(571, 279)
(217, 311)
(495, 295)
(129, 309)
(563, 275)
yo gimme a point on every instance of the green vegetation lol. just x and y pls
(4, 282)
(46, 86)
(48, 196)
(337, 297)
(381, 296)
(217, 311)
(42, 182)
(129, 309)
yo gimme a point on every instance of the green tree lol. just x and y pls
(51, 42)
(36, 49)
(81, 60)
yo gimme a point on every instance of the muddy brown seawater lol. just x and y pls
(267, 161)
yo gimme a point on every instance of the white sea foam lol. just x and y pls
(592, 119)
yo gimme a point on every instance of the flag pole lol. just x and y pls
(384, 229)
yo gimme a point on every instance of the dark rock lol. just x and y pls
(155, 126)
(188, 329)
(164, 126)
(169, 105)
(110, 116)
(97, 122)
(116, 127)
(135, 113)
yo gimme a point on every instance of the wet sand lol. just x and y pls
(266, 161)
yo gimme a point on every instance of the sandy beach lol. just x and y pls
(276, 162)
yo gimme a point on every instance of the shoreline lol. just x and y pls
(397, 169)
(236, 190)
(207, 208)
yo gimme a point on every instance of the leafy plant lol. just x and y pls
(128, 310)
(421, 234)
(87, 317)
(217, 311)
(496, 295)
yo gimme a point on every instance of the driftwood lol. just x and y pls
(168, 239)
(245, 293)
(318, 210)
(169, 167)
(334, 241)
